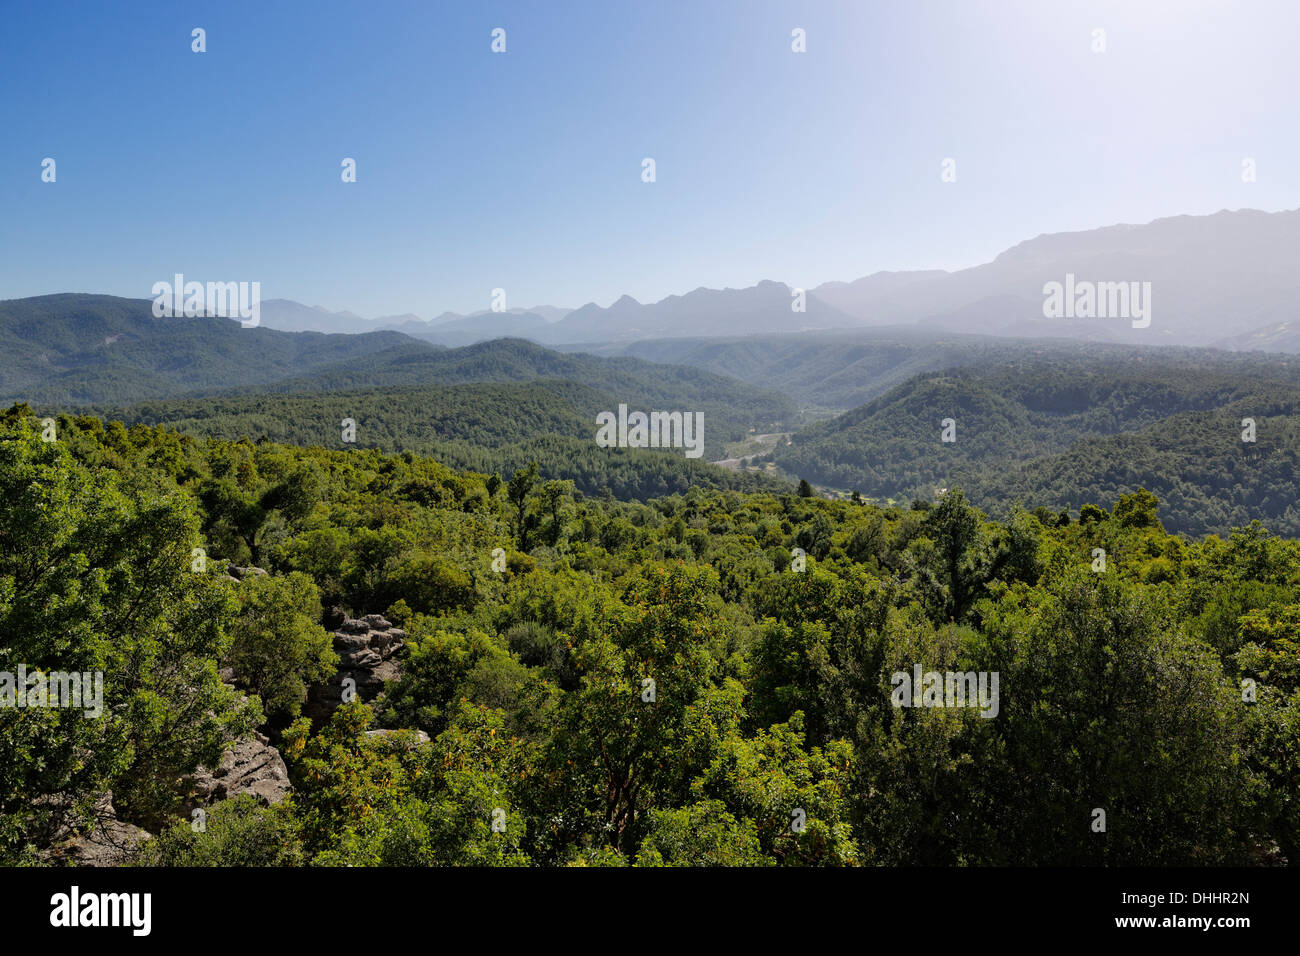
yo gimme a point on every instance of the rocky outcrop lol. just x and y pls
(112, 842)
(252, 766)
(367, 649)
(107, 842)
(239, 573)
(235, 573)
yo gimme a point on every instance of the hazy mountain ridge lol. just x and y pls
(449, 328)
(1216, 279)
(840, 370)
(60, 359)
(1230, 271)
(766, 307)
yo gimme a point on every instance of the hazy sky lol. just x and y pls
(522, 170)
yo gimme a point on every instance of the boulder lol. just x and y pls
(112, 843)
(251, 766)
(364, 658)
(351, 643)
(239, 573)
(381, 640)
(108, 841)
(368, 649)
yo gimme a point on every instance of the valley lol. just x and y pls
(744, 451)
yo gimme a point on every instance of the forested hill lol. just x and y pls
(76, 349)
(843, 369)
(1068, 435)
(559, 680)
(487, 428)
(80, 350)
(730, 405)
(209, 376)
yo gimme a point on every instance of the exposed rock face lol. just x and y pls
(239, 573)
(367, 649)
(109, 842)
(251, 766)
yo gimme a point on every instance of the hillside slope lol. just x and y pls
(75, 348)
(482, 427)
(1069, 434)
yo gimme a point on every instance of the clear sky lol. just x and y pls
(522, 170)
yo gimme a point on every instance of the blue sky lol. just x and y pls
(523, 170)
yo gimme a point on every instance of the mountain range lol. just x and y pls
(1227, 280)
(77, 351)
(1053, 422)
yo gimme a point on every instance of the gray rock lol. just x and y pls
(363, 659)
(108, 842)
(350, 643)
(381, 640)
(368, 649)
(239, 573)
(251, 766)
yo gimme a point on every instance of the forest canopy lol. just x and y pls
(702, 678)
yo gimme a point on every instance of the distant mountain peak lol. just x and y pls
(1225, 277)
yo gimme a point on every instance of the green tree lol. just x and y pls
(518, 494)
(702, 834)
(278, 649)
(793, 797)
(1137, 510)
(626, 746)
(1109, 706)
(955, 528)
(236, 832)
(98, 582)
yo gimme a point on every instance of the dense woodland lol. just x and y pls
(1039, 423)
(101, 353)
(488, 428)
(1065, 433)
(838, 370)
(1162, 689)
